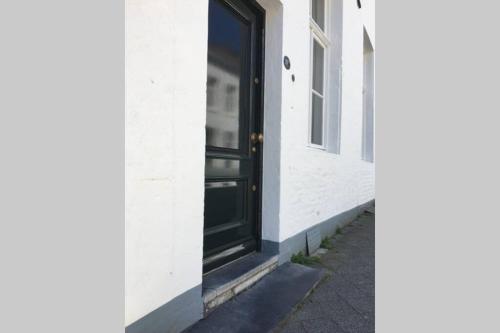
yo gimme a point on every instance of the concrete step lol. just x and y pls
(225, 283)
(265, 305)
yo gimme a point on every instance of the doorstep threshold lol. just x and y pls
(226, 282)
(266, 305)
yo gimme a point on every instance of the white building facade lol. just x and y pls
(248, 124)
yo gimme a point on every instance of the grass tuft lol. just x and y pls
(326, 244)
(302, 259)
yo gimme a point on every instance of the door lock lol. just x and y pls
(253, 137)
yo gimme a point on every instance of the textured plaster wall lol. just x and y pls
(316, 184)
(166, 64)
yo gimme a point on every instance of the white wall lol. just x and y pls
(315, 184)
(368, 17)
(272, 118)
(165, 139)
(165, 147)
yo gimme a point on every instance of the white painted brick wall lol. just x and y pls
(317, 185)
(165, 141)
(166, 59)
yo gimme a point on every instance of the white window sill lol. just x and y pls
(316, 147)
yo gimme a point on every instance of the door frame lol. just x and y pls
(259, 100)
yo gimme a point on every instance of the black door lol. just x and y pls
(234, 119)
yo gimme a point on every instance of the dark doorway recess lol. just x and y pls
(234, 136)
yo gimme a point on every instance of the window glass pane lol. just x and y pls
(317, 120)
(318, 55)
(318, 12)
(226, 38)
(232, 194)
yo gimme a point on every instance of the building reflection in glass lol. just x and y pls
(223, 78)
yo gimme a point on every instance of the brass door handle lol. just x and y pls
(257, 138)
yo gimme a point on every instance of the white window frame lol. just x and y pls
(320, 36)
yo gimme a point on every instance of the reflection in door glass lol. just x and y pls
(225, 33)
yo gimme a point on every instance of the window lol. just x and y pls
(319, 44)
(317, 94)
(318, 12)
(211, 89)
(231, 98)
(211, 136)
(368, 104)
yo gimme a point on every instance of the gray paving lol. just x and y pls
(345, 301)
(265, 305)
